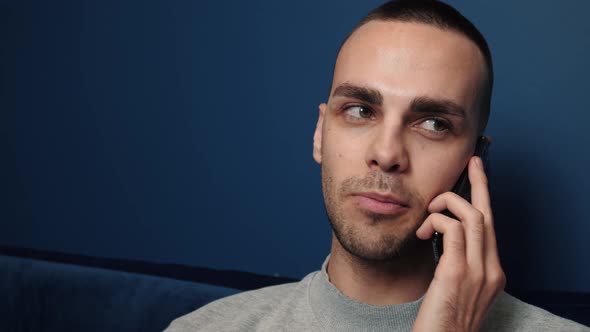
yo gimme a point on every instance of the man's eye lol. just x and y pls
(435, 125)
(358, 112)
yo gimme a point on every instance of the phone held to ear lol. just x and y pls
(463, 189)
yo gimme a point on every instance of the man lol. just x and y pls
(409, 98)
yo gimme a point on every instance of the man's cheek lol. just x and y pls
(437, 187)
(339, 161)
(348, 155)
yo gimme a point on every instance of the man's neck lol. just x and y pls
(402, 280)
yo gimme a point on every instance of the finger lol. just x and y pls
(473, 222)
(480, 198)
(480, 195)
(472, 218)
(456, 204)
(453, 239)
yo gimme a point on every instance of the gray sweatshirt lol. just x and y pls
(314, 304)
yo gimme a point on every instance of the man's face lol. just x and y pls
(399, 127)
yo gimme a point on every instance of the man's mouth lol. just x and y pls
(377, 203)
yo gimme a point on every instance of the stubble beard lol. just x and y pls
(352, 236)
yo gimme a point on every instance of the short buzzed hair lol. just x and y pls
(442, 16)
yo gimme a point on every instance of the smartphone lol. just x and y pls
(463, 189)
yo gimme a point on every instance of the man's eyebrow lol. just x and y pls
(429, 105)
(365, 94)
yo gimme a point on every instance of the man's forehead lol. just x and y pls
(407, 56)
(381, 36)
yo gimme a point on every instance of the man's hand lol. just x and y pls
(468, 276)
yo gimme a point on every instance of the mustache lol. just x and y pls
(380, 182)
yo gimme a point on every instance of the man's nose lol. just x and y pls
(387, 150)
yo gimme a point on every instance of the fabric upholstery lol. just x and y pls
(46, 296)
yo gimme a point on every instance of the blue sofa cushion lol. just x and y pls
(46, 296)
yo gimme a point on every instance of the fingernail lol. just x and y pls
(477, 162)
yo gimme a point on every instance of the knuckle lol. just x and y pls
(475, 225)
(476, 216)
(475, 221)
(497, 279)
(454, 276)
(449, 195)
(436, 217)
(456, 245)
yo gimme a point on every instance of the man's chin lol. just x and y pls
(379, 247)
(377, 237)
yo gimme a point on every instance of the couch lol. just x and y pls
(51, 291)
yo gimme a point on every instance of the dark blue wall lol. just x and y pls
(181, 131)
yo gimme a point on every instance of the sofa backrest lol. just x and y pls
(47, 296)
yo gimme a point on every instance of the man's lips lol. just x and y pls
(380, 203)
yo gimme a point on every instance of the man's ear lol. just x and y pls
(317, 136)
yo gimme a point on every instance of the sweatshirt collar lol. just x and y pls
(337, 312)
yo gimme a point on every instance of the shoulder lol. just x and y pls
(511, 314)
(245, 310)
